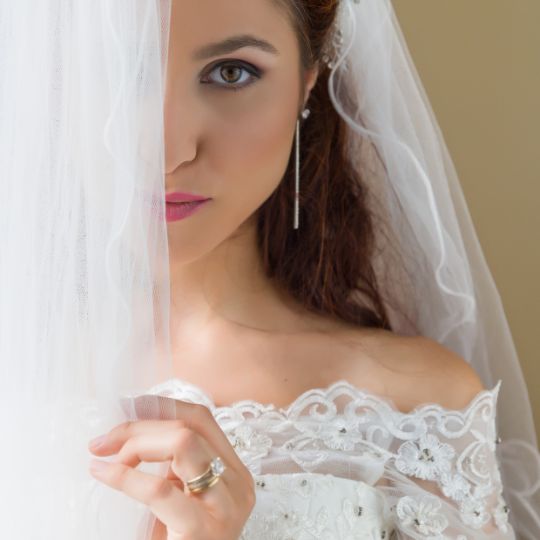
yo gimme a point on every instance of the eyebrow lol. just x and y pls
(232, 44)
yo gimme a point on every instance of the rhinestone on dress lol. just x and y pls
(426, 455)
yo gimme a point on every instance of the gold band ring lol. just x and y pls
(208, 478)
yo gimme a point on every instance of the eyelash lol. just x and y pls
(251, 69)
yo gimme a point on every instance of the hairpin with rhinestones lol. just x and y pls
(332, 49)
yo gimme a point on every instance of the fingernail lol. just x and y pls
(98, 441)
(98, 466)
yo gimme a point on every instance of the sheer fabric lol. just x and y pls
(84, 274)
(340, 462)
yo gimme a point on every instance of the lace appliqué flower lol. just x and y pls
(427, 458)
(422, 515)
(350, 525)
(265, 525)
(250, 445)
(455, 486)
(338, 435)
(473, 512)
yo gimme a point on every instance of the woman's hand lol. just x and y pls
(189, 444)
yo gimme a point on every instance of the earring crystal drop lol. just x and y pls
(297, 178)
(305, 113)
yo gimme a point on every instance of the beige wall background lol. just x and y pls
(479, 61)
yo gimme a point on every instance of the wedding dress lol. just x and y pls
(342, 463)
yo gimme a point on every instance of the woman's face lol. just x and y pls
(230, 113)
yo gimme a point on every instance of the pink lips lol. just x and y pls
(182, 205)
(177, 197)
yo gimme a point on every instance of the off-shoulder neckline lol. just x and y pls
(339, 387)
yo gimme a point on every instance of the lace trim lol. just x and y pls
(179, 387)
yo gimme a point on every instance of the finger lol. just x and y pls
(166, 501)
(190, 456)
(189, 415)
(199, 418)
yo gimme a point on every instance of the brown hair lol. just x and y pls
(328, 260)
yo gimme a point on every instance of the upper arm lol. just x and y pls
(453, 381)
(416, 370)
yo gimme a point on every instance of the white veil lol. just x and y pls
(83, 254)
(84, 284)
(447, 290)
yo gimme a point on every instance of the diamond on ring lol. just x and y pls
(208, 478)
(217, 466)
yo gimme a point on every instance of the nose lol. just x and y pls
(181, 130)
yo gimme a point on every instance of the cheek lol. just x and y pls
(247, 158)
(255, 142)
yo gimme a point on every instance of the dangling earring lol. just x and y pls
(305, 114)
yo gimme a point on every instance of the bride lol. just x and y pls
(326, 366)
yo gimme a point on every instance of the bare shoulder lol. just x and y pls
(419, 370)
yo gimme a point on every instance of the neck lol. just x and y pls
(228, 285)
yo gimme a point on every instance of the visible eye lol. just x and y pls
(231, 72)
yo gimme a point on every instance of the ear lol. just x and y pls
(310, 79)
